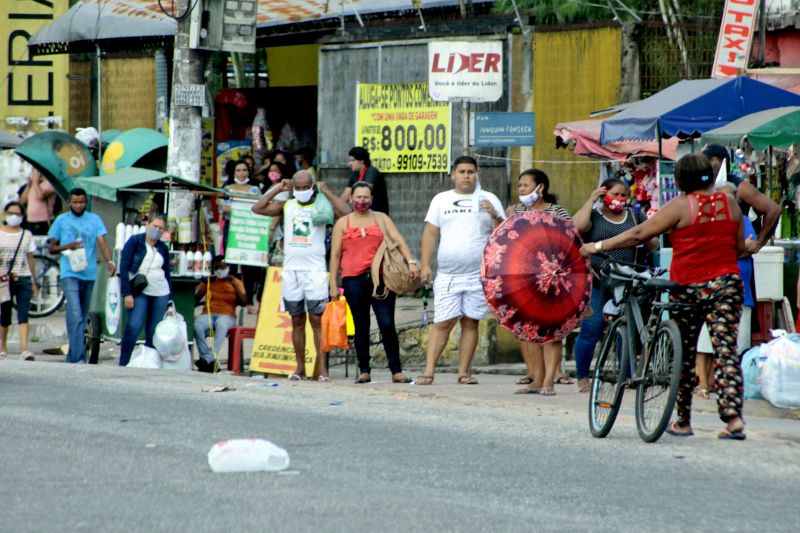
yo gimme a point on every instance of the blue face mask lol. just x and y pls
(297, 165)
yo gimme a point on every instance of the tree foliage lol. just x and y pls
(576, 11)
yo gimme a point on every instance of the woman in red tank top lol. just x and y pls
(707, 236)
(355, 241)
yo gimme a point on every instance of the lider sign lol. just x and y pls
(465, 70)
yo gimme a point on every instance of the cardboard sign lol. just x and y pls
(465, 70)
(273, 352)
(402, 128)
(735, 38)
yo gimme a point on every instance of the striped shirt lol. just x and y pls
(555, 209)
(8, 244)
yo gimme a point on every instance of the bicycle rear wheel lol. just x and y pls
(48, 278)
(605, 396)
(658, 388)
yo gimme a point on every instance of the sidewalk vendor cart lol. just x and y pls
(127, 197)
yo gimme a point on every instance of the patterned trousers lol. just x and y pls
(718, 303)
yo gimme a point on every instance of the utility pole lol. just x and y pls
(185, 125)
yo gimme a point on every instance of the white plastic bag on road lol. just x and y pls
(247, 455)
(170, 337)
(145, 357)
(780, 375)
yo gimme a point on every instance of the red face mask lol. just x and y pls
(615, 204)
(361, 205)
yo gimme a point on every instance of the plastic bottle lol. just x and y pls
(247, 455)
(206, 269)
(182, 263)
(119, 236)
(197, 266)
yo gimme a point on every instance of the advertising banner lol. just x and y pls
(403, 129)
(33, 90)
(248, 236)
(465, 70)
(273, 352)
(735, 38)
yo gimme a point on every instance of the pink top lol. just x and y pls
(358, 248)
(40, 205)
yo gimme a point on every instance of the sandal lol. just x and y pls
(547, 392)
(363, 378)
(527, 380)
(564, 381)
(323, 379)
(673, 430)
(727, 434)
(27, 355)
(295, 377)
(3, 355)
(424, 379)
(584, 385)
(401, 378)
(527, 390)
(467, 380)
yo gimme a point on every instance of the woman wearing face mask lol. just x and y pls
(356, 238)
(243, 183)
(16, 270)
(543, 361)
(597, 222)
(144, 257)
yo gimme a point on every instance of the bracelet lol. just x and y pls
(412, 262)
(598, 246)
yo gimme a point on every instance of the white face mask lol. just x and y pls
(303, 196)
(242, 181)
(530, 199)
(13, 220)
(223, 272)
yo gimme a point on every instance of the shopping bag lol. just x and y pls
(351, 324)
(334, 325)
(170, 337)
(146, 357)
(780, 375)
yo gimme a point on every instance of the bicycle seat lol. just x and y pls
(661, 284)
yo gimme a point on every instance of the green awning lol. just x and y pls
(61, 158)
(108, 186)
(139, 147)
(779, 127)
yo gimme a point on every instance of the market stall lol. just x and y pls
(124, 202)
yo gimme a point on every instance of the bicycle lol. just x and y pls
(47, 274)
(657, 367)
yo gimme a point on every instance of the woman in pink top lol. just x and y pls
(40, 198)
(356, 238)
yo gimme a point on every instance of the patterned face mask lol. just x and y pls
(615, 204)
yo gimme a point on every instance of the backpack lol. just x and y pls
(390, 265)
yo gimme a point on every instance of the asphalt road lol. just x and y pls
(100, 448)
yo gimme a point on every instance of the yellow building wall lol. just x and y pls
(293, 66)
(574, 73)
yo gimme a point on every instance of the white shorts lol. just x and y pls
(304, 287)
(457, 295)
(742, 339)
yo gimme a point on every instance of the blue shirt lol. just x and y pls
(68, 228)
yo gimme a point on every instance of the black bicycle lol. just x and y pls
(651, 346)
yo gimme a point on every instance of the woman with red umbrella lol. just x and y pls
(711, 284)
(543, 361)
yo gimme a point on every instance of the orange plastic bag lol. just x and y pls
(334, 325)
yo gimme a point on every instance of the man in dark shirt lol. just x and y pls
(358, 159)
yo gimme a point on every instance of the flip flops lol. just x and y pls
(295, 377)
(27, 355)
(527, 380)
(424, 379)
(363, 378)
(727, 434)
(526, 390)
(467, 380)
(564, 381)
(672, 429)
(323, 379)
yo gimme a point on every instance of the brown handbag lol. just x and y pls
(391, 267)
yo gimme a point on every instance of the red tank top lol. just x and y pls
(705, 249)
(358, 248)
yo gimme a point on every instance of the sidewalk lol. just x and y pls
(497, 382)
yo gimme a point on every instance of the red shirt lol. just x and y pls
(706, 249)
(358, 248)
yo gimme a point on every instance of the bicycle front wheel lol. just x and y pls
(48, 278)
(605, 396)
(660, 377)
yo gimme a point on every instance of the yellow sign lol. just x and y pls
(33, 90)
(403, 129)
(273, 352)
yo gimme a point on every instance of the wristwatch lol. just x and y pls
(598, 246)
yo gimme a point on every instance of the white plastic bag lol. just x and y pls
(77, 259)
(146, 357)
(170, 338)
(247, 455)
(780, 375)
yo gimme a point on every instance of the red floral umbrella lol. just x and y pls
(535, 280)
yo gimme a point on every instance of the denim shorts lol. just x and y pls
(21, 292)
